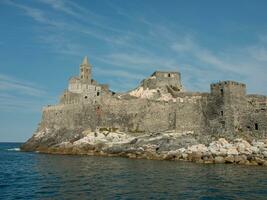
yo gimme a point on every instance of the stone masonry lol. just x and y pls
(159, 103)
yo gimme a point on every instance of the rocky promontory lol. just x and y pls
(167, 145)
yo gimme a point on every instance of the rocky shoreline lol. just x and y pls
(221, 151)
(160, 146)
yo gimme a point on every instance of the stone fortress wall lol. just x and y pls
(157, 104)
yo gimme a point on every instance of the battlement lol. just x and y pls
(228, 87)
(227, 83)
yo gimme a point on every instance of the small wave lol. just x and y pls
(14, 149)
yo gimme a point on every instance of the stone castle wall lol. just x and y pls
(131, 115)
(225, 110)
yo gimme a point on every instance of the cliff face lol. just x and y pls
(157, 116)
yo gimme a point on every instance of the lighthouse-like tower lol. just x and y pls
(85, 70)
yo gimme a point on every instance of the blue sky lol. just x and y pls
(42, 43)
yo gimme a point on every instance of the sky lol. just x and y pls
(42, 43)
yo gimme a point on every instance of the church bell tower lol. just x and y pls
(85, 70)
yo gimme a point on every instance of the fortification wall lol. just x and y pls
(225, 110)
(254, 115)
(129, 115)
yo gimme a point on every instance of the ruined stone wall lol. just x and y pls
(162, 79)
(226, 110)
(231, 111)
(254, 116)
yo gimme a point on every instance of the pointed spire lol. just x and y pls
(85, 61)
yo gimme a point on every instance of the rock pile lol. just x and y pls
(167, 145)
(221, 151)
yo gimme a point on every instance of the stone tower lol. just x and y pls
(229, 101)
(85, 70)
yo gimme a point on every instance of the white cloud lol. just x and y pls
(259, 53)
(8, 83)
(162, 46)
(19, 95)
(63, 6)
(241, 64)
(118, 73)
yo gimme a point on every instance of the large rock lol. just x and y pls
(223, 142)
(232, 151)
(198, 148)
(219, 159)
(230, 159)
(241, 159)
(264, 154)
(195, 156)
(255, 149)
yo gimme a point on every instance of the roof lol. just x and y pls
(74, 79)
(85, 61)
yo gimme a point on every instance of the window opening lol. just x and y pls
(256, 126)
(221, 91)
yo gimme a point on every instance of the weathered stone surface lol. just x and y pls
(240, 159)
(232, 151)
(219, 159)
(157, 120)
(264, 153)
(230, 159)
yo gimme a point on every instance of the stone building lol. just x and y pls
(159, 103)
(83, 88)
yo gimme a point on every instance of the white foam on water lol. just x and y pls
(14, 149)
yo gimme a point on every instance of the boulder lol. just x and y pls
(260, 161)
(258, 144)
(214, 150)
(222, 152)
(241, 159)
(195, 156)
(208, 161)
(223, 142)
(232, 151)
(171, 155)
(184, 156)
(253, 162)
(197, 148)
(255, 149)
(219, 159)
(264, 153)
(230, 159)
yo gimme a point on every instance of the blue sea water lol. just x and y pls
(42, 176)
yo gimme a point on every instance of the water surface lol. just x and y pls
(42, 176)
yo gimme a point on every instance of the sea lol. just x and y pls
(25, 175)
